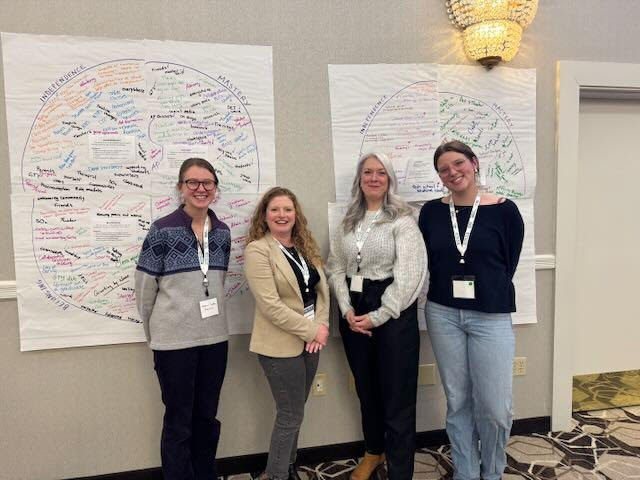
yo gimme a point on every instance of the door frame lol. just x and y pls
(575, 80)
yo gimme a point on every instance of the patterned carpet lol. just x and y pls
(606, 390)
(603, 445)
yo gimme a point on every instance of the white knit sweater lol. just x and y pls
(392, 249)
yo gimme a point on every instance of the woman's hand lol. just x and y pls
(319, 341)
(313, 347)
(349, 316)
(322, 335)
(362, 324)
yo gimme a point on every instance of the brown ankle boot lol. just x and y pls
(367, 466)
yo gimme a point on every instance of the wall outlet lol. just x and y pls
(520, 366)
(427, 374)
(319, 385)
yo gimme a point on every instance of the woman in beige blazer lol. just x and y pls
(284, 270)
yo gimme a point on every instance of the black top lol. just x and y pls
(492, 254)
(314, 277)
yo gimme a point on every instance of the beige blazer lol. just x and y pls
(280, 329)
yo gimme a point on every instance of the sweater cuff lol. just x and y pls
(344, 305)
(379, 317)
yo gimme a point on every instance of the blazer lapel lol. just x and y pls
(283, 264)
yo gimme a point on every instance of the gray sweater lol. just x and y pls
(169, 283)
(392, 249)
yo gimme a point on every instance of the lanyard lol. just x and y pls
(302, 265)
(462, 245)
(362, 237)
(203, 256)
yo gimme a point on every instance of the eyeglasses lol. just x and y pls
(193, 184)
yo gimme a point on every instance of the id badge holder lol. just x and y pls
(310, 311)
(209, 308)
(356, 283)
(464, 286)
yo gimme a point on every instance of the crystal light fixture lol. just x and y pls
(491, 29)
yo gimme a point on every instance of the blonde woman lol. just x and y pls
(376, 268)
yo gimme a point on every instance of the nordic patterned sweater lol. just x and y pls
(169, 283)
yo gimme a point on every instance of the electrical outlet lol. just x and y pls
(319, 385)
(520, 366)
(427, 374)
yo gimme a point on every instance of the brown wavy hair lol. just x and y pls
(301, 236)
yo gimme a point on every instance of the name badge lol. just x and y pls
(310, 311)
(356, 283)
(464, 286)
(209, 308)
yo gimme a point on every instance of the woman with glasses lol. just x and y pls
(473, 242)
(180, 297)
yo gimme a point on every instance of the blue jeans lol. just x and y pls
(474, 351)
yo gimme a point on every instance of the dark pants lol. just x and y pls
(290, 380)
(385, 369)
(190, 381)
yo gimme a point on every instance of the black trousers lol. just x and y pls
(190, 381)
(385, 369)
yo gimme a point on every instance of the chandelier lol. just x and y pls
(491, 29)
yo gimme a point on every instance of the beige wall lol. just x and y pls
(89, 411)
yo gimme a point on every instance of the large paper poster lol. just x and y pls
(97, 131)
(406, 111)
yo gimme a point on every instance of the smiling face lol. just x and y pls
(281, 216)
(374, 180)
(457, 171)
(199, 199)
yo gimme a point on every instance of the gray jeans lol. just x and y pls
(290, 380)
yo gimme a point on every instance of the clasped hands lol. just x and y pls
(359, 323)
(319, 341)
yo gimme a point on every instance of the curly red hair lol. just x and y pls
(300, 235)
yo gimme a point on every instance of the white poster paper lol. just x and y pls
(113, 149)
(95, 123)
(174, 155)
(406, 111)
(75, 257)
(387, 108)
(524, 279)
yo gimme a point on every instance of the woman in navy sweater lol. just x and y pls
(473, 243)
(180, 297)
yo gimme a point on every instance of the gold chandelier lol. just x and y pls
(492, 29)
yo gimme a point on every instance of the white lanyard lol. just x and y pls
(462, 245)
(302, 265)
(361, 238)
(203, 255)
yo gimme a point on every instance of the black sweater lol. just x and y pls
(492, 255)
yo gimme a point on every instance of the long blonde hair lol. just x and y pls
(392, 205)
(301, 236)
